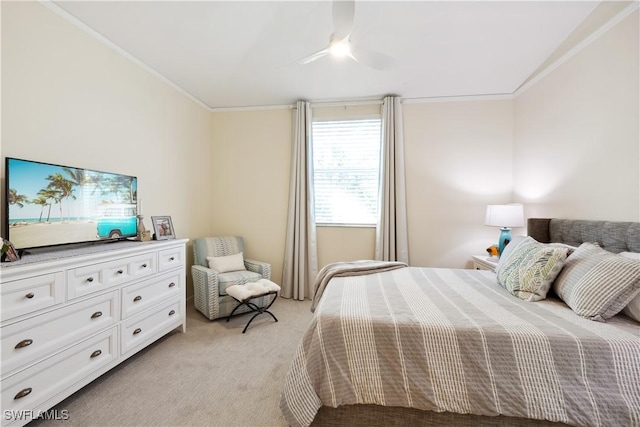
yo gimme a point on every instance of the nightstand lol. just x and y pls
(484, 262)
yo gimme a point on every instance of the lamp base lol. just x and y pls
(505, 238)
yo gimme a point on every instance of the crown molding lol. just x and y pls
(251, 108)
(458, 98)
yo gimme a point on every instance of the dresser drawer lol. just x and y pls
(33, 386)
(25, 296)
(149, 325)
(96, 277)
(29, 340)
(171, 258)
(142, 295)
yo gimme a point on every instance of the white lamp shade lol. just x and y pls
(505, 216)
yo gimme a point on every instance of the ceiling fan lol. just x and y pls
(340, 44)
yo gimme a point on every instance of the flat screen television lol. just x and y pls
(50, 205)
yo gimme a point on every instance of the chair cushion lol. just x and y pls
(224, 264)
(252, 289)
(235, 278)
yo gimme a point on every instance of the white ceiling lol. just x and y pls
(237, 53)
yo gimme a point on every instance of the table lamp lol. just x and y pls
(505, 217)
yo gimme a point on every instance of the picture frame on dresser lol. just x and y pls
(163, 228)
(9, 252)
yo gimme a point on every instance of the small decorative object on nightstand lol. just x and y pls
(483, 262)
(492, 250)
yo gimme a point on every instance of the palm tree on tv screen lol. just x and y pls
(42, 202)
(96, 179)
(17, 199)
(119, 185)
(49, 194)
(79, 178)
(63, 186)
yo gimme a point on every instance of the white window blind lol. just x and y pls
(346, 167)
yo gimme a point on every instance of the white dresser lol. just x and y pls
(68, 316)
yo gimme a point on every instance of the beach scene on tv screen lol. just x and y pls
(53, 205)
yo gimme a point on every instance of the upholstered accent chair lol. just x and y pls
(209, 285)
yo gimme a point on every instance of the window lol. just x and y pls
(346, 168)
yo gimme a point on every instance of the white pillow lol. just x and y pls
(633, 308)
(224, 264)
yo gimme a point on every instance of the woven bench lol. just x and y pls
(243, 294)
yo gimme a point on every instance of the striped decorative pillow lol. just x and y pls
(596, 283)
(633, 308)
(530, 268)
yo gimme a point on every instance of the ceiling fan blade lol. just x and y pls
(307, 59)
(314, 56)
(370, 58)
(343, 13)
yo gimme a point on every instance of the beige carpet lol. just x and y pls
(211, 376)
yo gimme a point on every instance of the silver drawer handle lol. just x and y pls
(89, 279)
(22, 393)
(144, 265)
(24, 343)
(120, 271)
(171, 285)
(137, 331)
(30, 295)
(96, 315)
(138, 298)
(172, 312)
(96, 353)
(171, 259)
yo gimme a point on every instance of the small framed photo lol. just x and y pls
(163, 228)
(9, 252)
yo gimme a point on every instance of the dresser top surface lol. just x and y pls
(51, 255)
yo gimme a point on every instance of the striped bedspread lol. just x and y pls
(454, 340)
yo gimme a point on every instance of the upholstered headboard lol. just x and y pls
(613, 236)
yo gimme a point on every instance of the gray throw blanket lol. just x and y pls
(350, 268)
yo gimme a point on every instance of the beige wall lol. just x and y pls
(576, 145)
(69, 99)
(249, 186)
(458, 160)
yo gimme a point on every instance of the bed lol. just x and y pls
(426, 346)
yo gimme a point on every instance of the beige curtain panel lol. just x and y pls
(301, 255)
(391, 231)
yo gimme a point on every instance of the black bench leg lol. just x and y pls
(255, 309)
(271, 314)
(236, 307)
(261, 310)
(249, 322)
